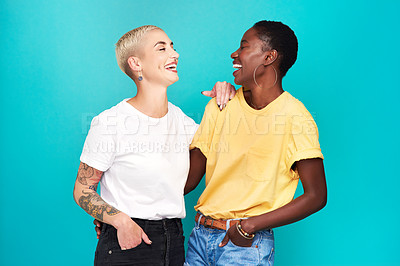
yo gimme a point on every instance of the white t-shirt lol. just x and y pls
(145, 160)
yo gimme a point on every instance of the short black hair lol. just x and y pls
(280, 37)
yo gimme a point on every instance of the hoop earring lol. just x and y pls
(255, 81)
(140, 78)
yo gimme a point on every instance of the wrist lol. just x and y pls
(120, 220)
(248, 226)
(243, 233)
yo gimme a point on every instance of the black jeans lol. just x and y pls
(167, 246)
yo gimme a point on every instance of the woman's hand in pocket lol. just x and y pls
(236, 238)
(130, 234)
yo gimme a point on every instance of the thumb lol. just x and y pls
(146, 238)
(211, 94)
(224, 241)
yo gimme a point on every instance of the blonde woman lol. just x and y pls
(139, 151)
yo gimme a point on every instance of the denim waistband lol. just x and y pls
(162, 224)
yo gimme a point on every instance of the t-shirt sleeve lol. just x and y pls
(204, 134)
(190, 128)
(99, 148)
(304, 142)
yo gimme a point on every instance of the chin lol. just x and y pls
(175, 80)
(172, 81)
(238, 81)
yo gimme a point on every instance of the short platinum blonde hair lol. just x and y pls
(128, 44)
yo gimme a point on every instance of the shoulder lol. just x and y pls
(174, 109)
(212, 106)
(301, 120)
(295, 107)
(177, 112)
(109, 116)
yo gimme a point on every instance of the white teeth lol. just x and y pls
(237, 66)
(173, 66)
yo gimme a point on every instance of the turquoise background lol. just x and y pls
(58, 70)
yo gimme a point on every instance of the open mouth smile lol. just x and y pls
(238, 68)
(171, 67)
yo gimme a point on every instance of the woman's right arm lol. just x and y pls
(129, 233)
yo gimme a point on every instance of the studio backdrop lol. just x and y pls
(58, 70)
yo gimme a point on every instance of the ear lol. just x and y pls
(270, 57)
(134, 64)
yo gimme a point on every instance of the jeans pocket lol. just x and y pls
(267, 248)
(233, 244)
(236, 255)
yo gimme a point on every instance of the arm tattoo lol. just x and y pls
(90, 201)
(93, 187)
(94, 205)
(86, 172)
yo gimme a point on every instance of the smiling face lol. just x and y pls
(245, 59)
(158, 59)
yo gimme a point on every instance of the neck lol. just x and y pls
(267, 88)
(150, 99)
(259, 98)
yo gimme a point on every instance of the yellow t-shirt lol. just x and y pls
(250, 153)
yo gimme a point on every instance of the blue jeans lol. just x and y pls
(203, 249)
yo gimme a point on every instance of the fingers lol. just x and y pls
(232, 92)
(224, 241)
(98, 232)
(223, 92)
(97, 228)
(130, 244)
(96, 223)
(224, 96)
(131, 235)
(209, 93)
(217, 89)
(136, 243)
(146, 238)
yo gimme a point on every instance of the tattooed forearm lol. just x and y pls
(94, 205)
(85, 172)
(93, 187)
(85, 193)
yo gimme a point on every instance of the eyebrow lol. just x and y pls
(163, 43)
(244, 41)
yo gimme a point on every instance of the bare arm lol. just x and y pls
(197, 169)
(129, 233)
(313, 199)
(86, 197)
(224, 92)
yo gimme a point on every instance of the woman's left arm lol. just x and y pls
(314, 198)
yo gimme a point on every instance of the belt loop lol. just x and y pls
(164, 224)
(146, 226)
(198, 221)
(179, 224)
(228, 223)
